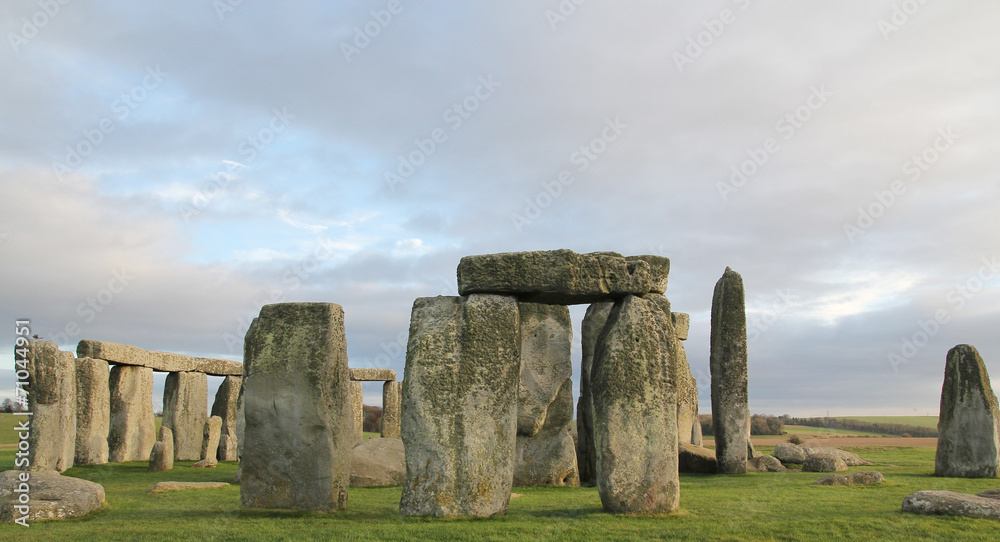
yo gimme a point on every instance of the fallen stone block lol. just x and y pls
(949, 503)
(163, 487)
(378, 462)
(863, 478)
(53, 496)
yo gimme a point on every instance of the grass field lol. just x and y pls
(805, 430)
(757, 506)
(919, 421)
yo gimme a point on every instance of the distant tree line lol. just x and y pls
(10, 406)
(373, 419)
(897, 429)
(760, 424)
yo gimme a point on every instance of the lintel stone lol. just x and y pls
(373, 375)
(123, 354)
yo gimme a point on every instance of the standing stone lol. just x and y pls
(241, 426)
(297, 446)
(210, 443)
(688, 421)
(546, 340)
(635, 409)
(185, 400)
(392, 398)
(161, 458)
(549, 456)
(93, 411)
(357, 412)
(730, 408)
(225, 406)
(586, 453)
(51, 392)
(460, 405)
(969, 422)
(131, 434)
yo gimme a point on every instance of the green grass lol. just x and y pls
(805, 430)
(919, 421)
(757, 506)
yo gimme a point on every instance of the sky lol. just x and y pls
(167, 168)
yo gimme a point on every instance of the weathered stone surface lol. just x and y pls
(298, 435)
(990, 494)
(635, 420)
(460, 405)
(659, 269)
(850, 459)
(586, 453)
(225, 407)
(161, 457)
(185, 400)
(357, 411)
(556, 276)
(51, 391)
(824, 462)
(163, 487)
(696, 459)
(123, 354)
(392, 409)
(240, 431)
(786, 452)
(864, 478)
(93, 411)
(546, 340)
(765, 463)
(378, 462)
(53, 496)
(549, 456)
(730, 410)
(682, 325)
(952, 504)
(373, 375)
(131, 433)
(210, 443)
(969, 422)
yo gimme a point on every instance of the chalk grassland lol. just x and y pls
(919, 421)
(757, 506)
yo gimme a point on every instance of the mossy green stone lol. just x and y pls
(730, 393)
(969, 424)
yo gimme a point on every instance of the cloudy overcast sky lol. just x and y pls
(168, 167)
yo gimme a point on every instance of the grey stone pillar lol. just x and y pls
(51, 393)
(730, 408)
(225, 407)
(358, 411)
(185, 402)
(392, 397)
(586, 454)
(131, 434)
(298, 435)
(460, 405)
(93, 411)
(969, 422)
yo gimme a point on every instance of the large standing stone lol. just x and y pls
(392, 409)
(688, 421)
(93, 411)
(730, 409)
(460, 405)
(586, 453)
(161, 458)
(297, 452)
(225, 407)
(131, 435)
(969, 424)
(53, 496)
(210, 443)
(635, 409)
(558, 276)
(358, 411)
(51, 391)
(185, 400)
(241, 426)
(546, 340)
(549, 456)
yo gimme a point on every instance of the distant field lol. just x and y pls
(919, 421)
(805, 430)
